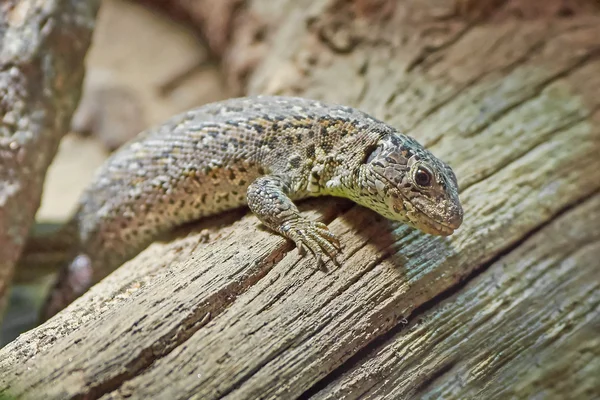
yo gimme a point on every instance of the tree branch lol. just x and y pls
(42, 47)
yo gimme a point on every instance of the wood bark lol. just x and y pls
(507, 307)
(42, 46)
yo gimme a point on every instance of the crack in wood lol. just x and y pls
(516, 156)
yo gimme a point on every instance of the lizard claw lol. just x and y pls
(314, 236)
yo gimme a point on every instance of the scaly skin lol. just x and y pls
(265, 152)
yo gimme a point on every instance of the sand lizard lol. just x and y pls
(264, 152)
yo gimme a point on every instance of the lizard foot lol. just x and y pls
(314, 236)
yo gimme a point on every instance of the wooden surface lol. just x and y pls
(507, 307)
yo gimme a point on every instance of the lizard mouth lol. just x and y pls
(422, 220)
(431, 226)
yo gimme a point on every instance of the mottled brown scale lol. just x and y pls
(264, 152)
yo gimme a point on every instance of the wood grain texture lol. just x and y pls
(534, 310)
(42, 46)
(505, 308)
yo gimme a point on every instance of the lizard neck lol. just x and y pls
(342, 176)
(336, 172)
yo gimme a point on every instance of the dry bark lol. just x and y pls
(505, 308)
(42, 46)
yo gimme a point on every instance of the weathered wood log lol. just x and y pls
(505, 308)
(42, 46)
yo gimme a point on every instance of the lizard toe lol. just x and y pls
(317, 238)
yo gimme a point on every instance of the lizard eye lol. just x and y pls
(423, 177)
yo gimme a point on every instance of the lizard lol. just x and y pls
(264, 152)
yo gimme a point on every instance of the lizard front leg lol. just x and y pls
(268, 198)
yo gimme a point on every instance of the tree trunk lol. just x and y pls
(508, 307)
(42, 47)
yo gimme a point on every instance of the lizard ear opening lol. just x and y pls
(371, 153)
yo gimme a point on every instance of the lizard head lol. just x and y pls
(405, 182)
